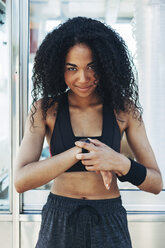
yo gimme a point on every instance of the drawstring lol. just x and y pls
(75, 214)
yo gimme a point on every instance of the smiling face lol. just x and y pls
(79, 70)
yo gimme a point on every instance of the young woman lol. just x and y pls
(85, 88)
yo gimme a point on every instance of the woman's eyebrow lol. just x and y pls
(71, 64)
(91, 63)
(76, 65)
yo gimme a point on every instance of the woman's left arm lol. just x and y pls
(139, 143)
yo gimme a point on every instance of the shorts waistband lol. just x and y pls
(68, 204)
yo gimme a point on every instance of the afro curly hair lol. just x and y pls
(113, 65)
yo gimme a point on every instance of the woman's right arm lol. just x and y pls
(30, 172)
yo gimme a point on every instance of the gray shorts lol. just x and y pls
(77, 223)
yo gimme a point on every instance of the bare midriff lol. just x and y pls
(84, 185)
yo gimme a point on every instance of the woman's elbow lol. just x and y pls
(19, 184)
(19, 189)
(159, 188)
(156, 185)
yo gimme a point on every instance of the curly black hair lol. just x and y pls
(113, 65)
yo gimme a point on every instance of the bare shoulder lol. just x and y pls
(36, 114)
(41, 124)
(51, 120)
(126, 119)
(128, 125)
(122, 119)
(35, 121)
(52, 113)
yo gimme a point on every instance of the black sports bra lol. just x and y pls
(63, 137)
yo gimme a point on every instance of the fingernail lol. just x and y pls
(107, 186)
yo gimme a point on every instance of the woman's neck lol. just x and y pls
(83, 102)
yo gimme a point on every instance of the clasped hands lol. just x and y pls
(101, 158)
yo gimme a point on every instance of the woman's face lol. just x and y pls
(79, 70)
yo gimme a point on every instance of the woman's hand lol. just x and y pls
(102, 158)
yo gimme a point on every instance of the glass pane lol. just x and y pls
(4, 110)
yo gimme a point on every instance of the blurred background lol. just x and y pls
(23, 26)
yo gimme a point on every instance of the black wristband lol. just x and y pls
(136, 175)
(86, 140)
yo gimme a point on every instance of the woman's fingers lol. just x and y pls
(84, 156)
(96, 142)
(87, 146)
(90, 167)
(93, 144)
(106, 175)
(107, 178)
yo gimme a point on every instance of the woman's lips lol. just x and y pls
(83, 89)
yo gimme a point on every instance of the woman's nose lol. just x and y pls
(83, 77)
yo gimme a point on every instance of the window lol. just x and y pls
(5, 151)
(46, 15)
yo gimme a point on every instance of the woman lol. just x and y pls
(85, 80)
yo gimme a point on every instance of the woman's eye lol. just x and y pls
(71, 69)
(91, 68)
